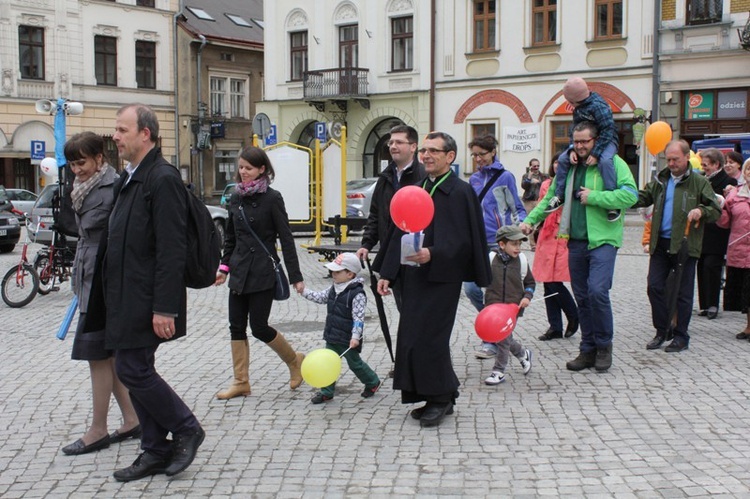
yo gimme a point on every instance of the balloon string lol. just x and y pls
(344, 353)
(544, 297)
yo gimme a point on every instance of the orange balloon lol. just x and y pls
(657, 137)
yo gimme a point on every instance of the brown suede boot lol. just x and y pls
(241, 361)
(290, 357)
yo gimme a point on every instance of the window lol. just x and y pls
(228, 96)
(201, 14)
(298, 44)
(31, 52)
(484, 25)
(239, 20)
(402, 44)
(544, 22)
(349, 46)
(225, 166)
(704, 11)
(111, 152)
(480, 130)
(145, 3)
(608, 19)
(560, 136)
(145, 64)
(105, 60)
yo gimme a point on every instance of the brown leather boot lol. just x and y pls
(241, 361)
(290, 357)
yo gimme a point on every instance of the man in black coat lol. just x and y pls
(715, 239)
(403, 170)
(454, 250)
(145, 292)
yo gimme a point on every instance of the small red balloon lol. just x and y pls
(496, 322)
(412, 208)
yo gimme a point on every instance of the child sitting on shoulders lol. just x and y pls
(347, 301)
(510, 284)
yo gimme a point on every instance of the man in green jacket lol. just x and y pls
(593, 244)
(680, 197)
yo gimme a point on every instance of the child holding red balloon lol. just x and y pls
(347, 301)
(510, 284)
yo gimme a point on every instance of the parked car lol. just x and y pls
(22, 200)
(359, 196)
(219, 216)
(10, 231)
(40, 217)
(226, 194)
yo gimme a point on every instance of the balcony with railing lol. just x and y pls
(335, 83)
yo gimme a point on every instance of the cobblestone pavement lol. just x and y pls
(655, 425)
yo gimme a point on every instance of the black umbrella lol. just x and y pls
(381, 310)
(674, 279)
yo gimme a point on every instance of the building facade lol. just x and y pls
(220, 78)
(100, 53)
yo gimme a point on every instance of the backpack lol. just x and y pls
(63, 214)
(522, 260)
(203, 245)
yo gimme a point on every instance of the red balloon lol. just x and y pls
(412, 208)
(496, 322)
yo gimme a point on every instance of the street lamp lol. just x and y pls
(60, 109)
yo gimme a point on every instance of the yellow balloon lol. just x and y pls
(321, 367)
(695, 161)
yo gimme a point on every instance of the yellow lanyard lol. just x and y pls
(445, 176)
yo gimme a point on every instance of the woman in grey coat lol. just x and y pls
(93, 199)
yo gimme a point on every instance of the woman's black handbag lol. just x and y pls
(281, 290)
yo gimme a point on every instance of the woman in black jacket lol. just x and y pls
(252, 278)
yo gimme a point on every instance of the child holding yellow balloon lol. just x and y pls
(346, 301)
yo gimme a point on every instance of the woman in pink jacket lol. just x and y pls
(736, 217)
(551, 268)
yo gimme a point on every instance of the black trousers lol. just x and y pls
(160, 410)
(659, 266)
(709, 280)
(252, 307)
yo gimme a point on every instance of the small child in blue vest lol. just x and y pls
(346, 301)
(511, 283)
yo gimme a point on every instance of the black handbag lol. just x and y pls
(281, 290)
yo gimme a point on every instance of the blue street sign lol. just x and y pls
(38, 151)
(320, 131)
(271, 137)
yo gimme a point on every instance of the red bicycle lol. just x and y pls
(21, 283)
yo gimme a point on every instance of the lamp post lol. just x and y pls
(60, 109)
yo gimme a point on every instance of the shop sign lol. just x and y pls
(732, 104)
(521, 139)
(699, 106)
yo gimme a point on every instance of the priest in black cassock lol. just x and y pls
(454, 250)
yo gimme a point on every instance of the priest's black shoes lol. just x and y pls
(145, 465)
(78, 447)
(419, 411)
(184, 448)
(434, 413)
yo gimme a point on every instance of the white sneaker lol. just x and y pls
(526, 361)
(495, 378)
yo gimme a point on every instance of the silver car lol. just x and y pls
(21, 199)
(359, 196)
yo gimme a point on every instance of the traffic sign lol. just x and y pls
(271, 136)
(320, 131)
(38, 151)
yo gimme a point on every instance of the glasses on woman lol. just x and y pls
(477, 154)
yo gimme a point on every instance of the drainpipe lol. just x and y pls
(655, 89)
(176, 86)
(433, 14)
(201, 113)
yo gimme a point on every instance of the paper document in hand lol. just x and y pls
(411, 243)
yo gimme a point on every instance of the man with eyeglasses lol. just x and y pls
(454, 250)
(404, 169)
(680, 198)
(593, 243)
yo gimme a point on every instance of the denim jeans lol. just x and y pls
(591, 273)
(562, 302)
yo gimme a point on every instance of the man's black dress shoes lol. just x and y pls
(78, 447)
(116, 436)
(677, 345)
(434, 413)
(184, 448)
(145, 465)
(658, 340)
